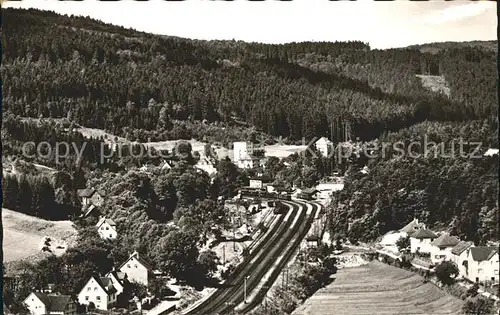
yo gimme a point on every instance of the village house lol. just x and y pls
(441, 247)
(324, 146)
(137, 269)
(206, 164)
(259, 182)
(482, 264)
(412, 227)
(118, 279)
(390, 239)
(308, 194)
(99, 291)
(106, 228)
(459, 257)
(40, 303)
(90, 196)
(420, 241)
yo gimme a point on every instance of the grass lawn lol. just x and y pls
(23, 235)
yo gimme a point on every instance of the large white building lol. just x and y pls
(482, 264)
(242, 155)
(99, 291)
(421, 240)
(137, 269)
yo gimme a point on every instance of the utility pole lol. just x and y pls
(234, 234)
(245, 288)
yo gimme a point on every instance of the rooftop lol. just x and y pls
(108, 221)
(461, 247)
(445, 240)
(54, 302)
(424, 234)
(412, 226)
(482, 253)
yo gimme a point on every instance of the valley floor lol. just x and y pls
(377, 288)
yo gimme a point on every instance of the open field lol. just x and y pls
(277, 150)
(283, 151)
(435, 83)
(376, 288)
(23, 235)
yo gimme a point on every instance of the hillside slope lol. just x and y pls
(128, 82)
(363, 290)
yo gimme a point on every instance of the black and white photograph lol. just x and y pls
(305, 157)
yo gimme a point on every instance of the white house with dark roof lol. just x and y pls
(421, 240)
(441, 247)
(324, 146)
(100, 291)
(106, 228)
(137, 269)
(459, 257)
(482, 264)
(40, 303)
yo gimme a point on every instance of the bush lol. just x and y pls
(446, 272)
(472, 291)
(478, 306)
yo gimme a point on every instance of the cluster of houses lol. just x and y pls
(475, 263)
(102, 292)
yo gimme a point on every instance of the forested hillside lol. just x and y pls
(139, 85)
(120, 80)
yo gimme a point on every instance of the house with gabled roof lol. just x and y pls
(412, 227)
(137, 269)
(459, 257)
(441, 247)
(482, 264)
(420, 241)
(90, 196)
(118, 279)
(100, 291)
(40, 303)
(106, 228)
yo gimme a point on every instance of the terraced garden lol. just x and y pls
(376, 288)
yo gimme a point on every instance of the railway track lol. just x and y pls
(281, 241)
